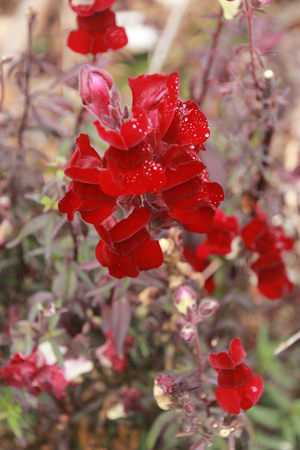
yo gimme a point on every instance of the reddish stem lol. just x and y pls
(211, 58)
(197, 346)
(249, 15)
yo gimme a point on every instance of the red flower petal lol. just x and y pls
(180, 166)
(69, 204)
(221, 361)
(85, 163)
(131, 132)
(157, 94)
(189, 125)
(236, 351)
(254, 389)
(149, 255)
(87, 10)
(228, 399)
(235, 377)
(125, 228)
(204, 222)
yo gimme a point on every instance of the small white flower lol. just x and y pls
(230, 9)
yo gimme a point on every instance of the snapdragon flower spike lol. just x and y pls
(97, 33)
(238, 387)
(131, 172)
(34, 374)
(273, 281)
(126, 247)
(84, 194)
(219, 239)
(89, 7)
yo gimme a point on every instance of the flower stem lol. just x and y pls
(211, 58)
(231, 443)
(249, 15)
(197, 347)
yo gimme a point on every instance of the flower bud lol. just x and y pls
(187, 332)
(208, 307)
(5, 203)
(266, 2)
(184, 299)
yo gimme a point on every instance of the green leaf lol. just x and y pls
(277, 397)
(48, 237)
(84, 276)
(162, 421)
(267, 442)
(14, 425)
(102, 289)
(57, 353)
(65, 283)
(3, 415)
(268, 417)
(31, 227)
(124, 286)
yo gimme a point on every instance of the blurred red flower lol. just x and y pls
(34, 374)
(238, 387)
(97, 33)
(219, 239)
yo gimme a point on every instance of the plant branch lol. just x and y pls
(249, 15)
(30, 16)
(211, 58)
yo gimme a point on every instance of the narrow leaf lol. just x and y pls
(31, 227)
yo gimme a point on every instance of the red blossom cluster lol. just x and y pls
(97, 30)
(34, 374)
(238, 387)
(259, 237)
(269, 243)
(151, 169)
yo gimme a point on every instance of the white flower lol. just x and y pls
(230, 8)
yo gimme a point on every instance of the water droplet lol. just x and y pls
(133, 126)
(207, 135)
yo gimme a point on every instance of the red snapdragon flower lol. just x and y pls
(261, 237)
(84, 194)
(108, 354)
(97, 33)
(34, 374)
(219, 239)
(270, 243)
(126, 247)
(238, 387)
(88, 10)
(273, 281)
